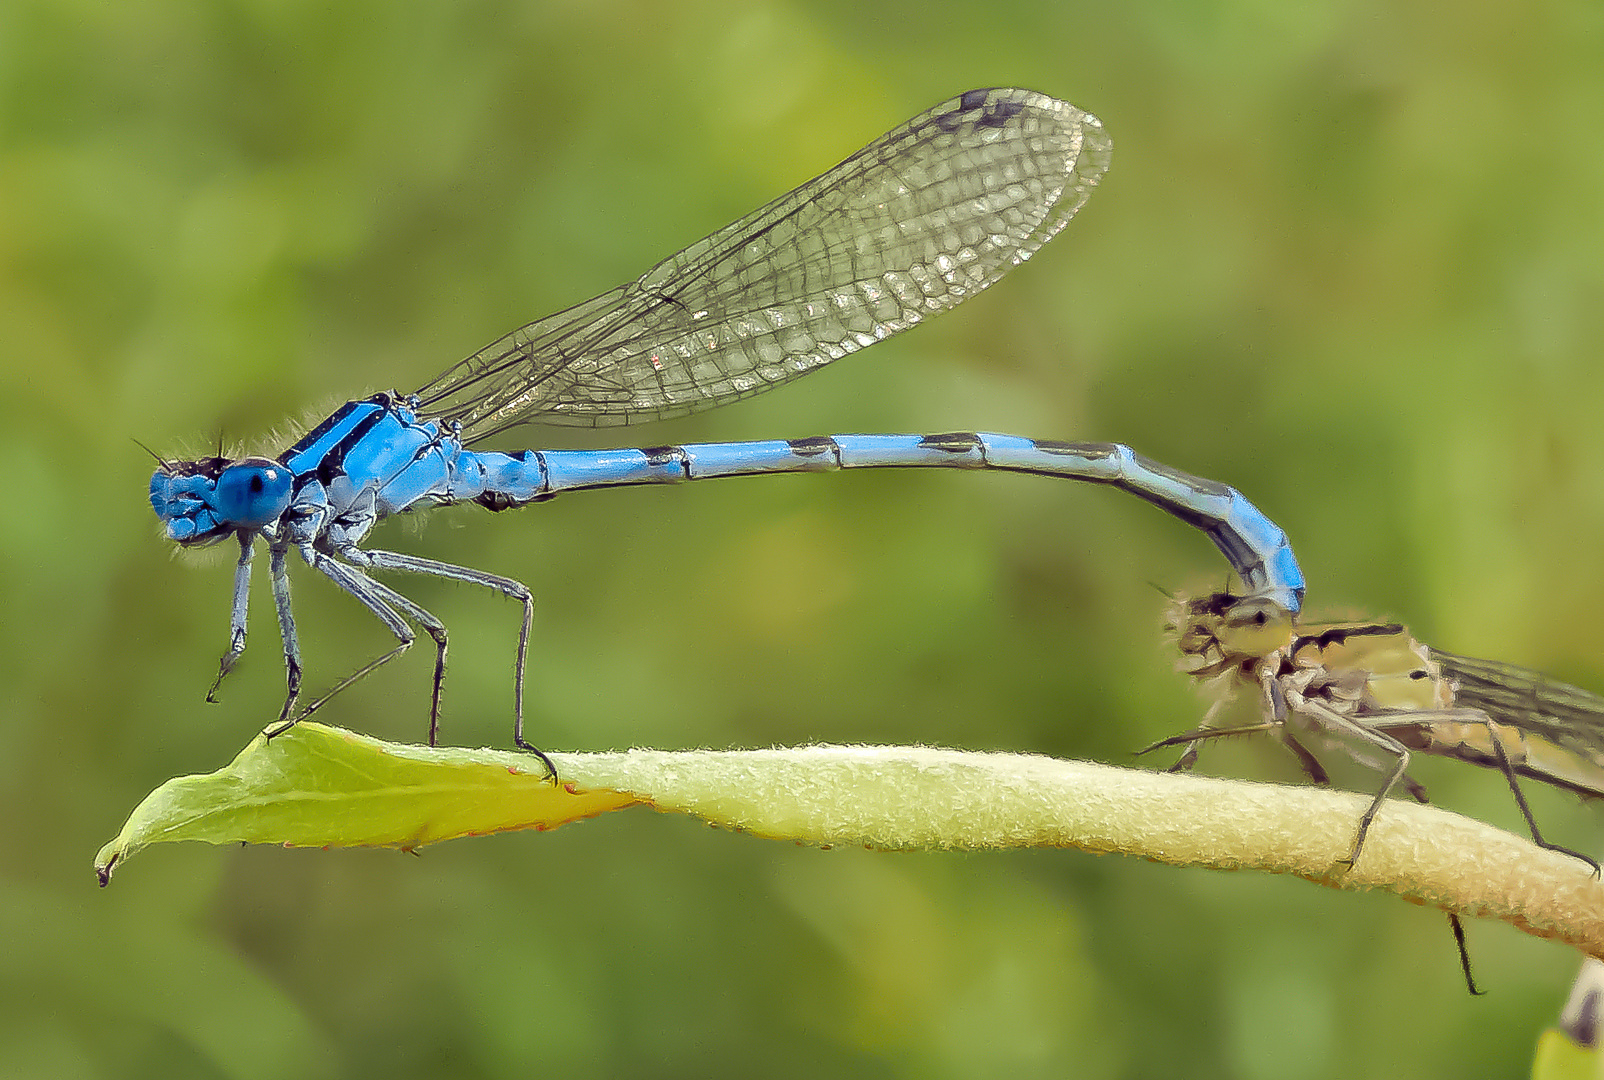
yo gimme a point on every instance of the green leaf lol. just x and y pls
(317, 786)
(323, 787)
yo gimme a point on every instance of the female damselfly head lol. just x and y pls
(201, 502)
(1242, 633)
(1224, 630)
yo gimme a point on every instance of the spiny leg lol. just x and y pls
(368, 593)
(1185, 762)
(1323, 716)
(343, 684)
(1274, 708)
(430, 623)
(1316, 773)
(1421, 725)
(517, 590)
(1310, 764)
(1205, 734)
(1194, 739)
(279, 567)
(1197, 736)
(237, 616)
(1507, 767)
(1458, 929)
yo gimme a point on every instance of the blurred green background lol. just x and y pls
(1349, 258)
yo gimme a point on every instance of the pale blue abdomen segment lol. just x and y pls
(1256, 548)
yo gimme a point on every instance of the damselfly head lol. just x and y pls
(200, 502)
(1226, 630)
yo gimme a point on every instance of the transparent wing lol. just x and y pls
(916, 222)
(1567, 716)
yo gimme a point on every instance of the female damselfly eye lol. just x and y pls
(252, 493)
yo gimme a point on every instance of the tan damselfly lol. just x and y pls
(1374, 690)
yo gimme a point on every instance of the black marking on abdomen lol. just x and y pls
(659, 456)
(499, 501)
(1077, 449)
(953, 442)
(972, 99)
(814, 446)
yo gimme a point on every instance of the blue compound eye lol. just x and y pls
(252, 493)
